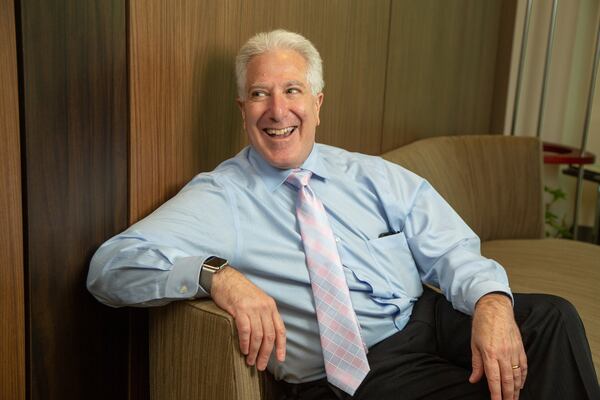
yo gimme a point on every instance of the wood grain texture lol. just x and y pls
(75, 113)
(441, 66)
(12, 309)
(351, 37)
(183, 116)
(508, 14)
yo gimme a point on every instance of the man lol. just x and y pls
(320, 254)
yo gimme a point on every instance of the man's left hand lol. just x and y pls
(497, 347)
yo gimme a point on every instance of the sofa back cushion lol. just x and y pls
(493, 181)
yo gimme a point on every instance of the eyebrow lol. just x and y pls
(261, 85)
(295, 83)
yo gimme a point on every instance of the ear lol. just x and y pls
(240, 104)
(318, 103)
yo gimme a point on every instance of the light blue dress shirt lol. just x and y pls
(244, 211)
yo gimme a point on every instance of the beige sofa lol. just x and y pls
(494, 183)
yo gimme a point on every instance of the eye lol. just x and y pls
(257, 93)
(293, 90)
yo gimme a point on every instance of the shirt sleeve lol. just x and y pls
(158, 259)
(446, 251)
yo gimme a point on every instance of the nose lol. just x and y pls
(277, 107)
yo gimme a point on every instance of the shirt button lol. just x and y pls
(337, 239)
(183, 289)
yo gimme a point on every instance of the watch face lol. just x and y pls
(215, 262)
(211, 266)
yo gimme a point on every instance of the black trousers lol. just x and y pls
(431, 357)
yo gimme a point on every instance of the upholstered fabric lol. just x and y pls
(492, 181)
(194, 354)
(565, 268)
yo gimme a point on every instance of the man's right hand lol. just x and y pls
(258, 322)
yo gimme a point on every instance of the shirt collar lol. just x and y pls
(273, 177)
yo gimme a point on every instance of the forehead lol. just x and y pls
(275, 65)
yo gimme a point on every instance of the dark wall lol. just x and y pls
(12, 315)
(74, 115)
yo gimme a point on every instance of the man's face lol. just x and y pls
(280, 112)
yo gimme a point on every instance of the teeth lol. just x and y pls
(279, 132)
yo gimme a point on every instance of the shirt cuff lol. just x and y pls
(479, 290)
(183, 280)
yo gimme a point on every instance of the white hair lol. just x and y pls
(280, 39)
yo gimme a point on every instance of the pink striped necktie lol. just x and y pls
(344, 353)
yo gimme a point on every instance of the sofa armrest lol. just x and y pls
(194, 354)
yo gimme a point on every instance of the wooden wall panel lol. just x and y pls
(441, 69)
(508, 14)
(12, 311)
(351, 36)
(183, 116)
(75, 117)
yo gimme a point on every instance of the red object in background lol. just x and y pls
(562, 154)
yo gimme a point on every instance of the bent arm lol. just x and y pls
(445, 249)
(158, 259)
(448, 253)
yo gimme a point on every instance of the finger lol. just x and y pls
(477, 363)
(517, 378)
(517, 373)
(256, 338)
(280, 337)
(268, 340)
(523, 364)
(492, 373)
(242, 324)
(508, 380)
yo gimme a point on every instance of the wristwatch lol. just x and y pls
(211, 266)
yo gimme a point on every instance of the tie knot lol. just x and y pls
(299, 177)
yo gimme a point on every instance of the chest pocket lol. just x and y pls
(391, 255)
(385, 265)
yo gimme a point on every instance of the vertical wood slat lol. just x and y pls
(75, 117)
(183, 116)
(508, 14)
(441, 69)
(351, 37)
(438, 69)
(12, 310)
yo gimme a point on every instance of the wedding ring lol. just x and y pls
(516, 367)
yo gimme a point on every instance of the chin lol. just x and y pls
(283, 164)
(282, 161)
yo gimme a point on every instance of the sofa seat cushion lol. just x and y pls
(561, 267)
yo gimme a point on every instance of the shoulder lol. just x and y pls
(345, 161)
(338, 158)
(389, 180)
(233, 171)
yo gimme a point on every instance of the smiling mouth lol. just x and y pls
(280, 133)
